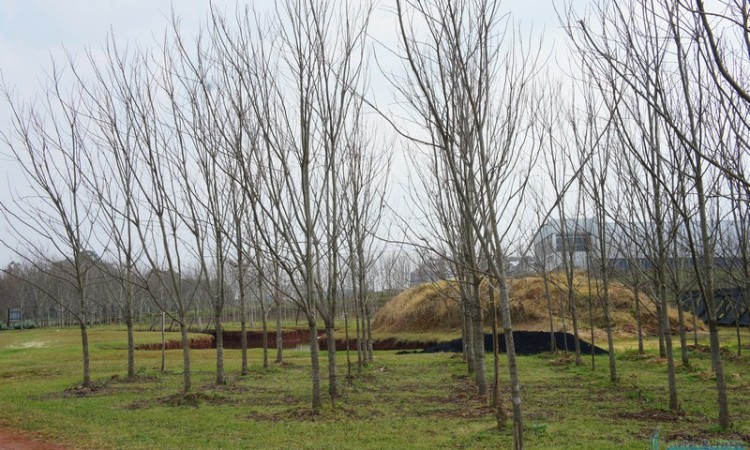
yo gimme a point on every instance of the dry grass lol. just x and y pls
(435, 306)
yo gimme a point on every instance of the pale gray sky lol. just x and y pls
(31, 31)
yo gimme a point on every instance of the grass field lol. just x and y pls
(414, 401)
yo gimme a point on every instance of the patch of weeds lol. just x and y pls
(191, 399)
(299, 415)
(740, 359)
(653, 415)
(95, 388)
(633, 391)
(632, 355)
(562, 360)
(683, 368)
(712, 436)
(140, 377)
(538, 429)
(705, 375)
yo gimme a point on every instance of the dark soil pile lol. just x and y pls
(526, 342)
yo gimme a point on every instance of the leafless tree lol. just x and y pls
(627, 45)
(55, 220)
(302, 72)
(463, 67)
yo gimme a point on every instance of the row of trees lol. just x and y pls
(649, 143)
(25, 286)
(243, 157)
(231, 165)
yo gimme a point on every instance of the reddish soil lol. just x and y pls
(290, 338)
(200, 343)
(13, 440)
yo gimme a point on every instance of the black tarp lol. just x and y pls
(526, 343)
(729, 305)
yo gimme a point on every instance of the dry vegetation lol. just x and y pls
(435, 306)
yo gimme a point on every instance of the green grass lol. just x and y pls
(401, 401)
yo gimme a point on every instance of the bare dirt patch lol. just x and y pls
(653, 415)
(707, 438)
(15, 440)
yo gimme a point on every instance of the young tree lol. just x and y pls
(55, 221)
(460, 68)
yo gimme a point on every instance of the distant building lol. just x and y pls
(625, 245)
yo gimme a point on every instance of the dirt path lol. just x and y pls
(14, 440)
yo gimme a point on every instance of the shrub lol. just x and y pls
(24, 325)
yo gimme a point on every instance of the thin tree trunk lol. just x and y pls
(264, 325)
(515, 384)
(332, 369)
(243, 344)
(85, 350)
(185, 356)
(163, 344)
(131, 347)
(500, 415)
(279, 332)
(317, 398)
(478, 340)
(219, 348)
(552, 343)
(638, 317)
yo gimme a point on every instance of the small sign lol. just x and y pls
(15, 315)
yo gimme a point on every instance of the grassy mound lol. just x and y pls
(436, 307)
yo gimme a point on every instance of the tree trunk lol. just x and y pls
(264, 325)
(279, 337)
(85, 350)
(552, 343)
(480, 370)
(131, 347)
(333, 390)
(185, 356)
(500, 416)
(219, 348)
(515, 385)
(317, 399)
(243, 340)
(683, 336)
(638, 318)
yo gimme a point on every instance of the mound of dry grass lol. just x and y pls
(436, 306)
(427, 307)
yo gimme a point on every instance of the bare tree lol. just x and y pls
(56, 219)
(463, 67)
(626, 45)
(303, 79)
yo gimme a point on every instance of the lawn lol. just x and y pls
(401, 401)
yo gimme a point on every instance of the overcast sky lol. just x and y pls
(31, 31)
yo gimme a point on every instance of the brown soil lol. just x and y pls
(14, 440)
(199, 343)
(289, 338)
